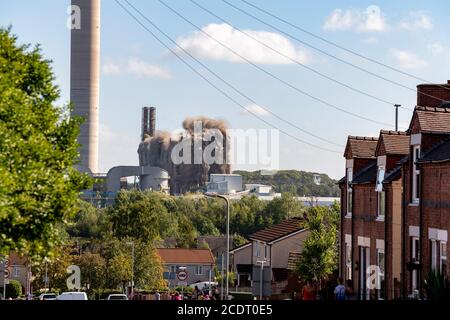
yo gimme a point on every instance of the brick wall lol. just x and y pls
(432, 90)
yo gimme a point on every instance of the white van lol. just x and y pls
(72, 296)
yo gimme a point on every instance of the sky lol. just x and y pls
(137, 71)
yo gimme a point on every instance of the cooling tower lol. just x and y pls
(84, 78)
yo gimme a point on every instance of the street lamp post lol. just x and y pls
(262, 262)
(131, 243)
(228, 239)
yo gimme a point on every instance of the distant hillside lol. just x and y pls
(299, 182)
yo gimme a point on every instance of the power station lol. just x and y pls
(154, 151)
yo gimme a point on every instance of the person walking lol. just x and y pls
(309, 292)
(340, 291)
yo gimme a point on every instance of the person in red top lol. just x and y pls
(309, 292)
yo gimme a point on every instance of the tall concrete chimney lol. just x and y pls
(85, 78)
(148, 122)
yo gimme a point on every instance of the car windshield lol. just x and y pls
(46, 296)
(117, 298)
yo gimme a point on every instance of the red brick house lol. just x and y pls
(360, 159)
(396, 201)
(426, 194)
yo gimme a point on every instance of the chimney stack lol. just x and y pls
(85, 77)
(433, 95)
(148, 121)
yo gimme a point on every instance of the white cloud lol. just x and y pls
(370, 20)
(255, 109)
(116, 148)
(435, 49)
(417, 20)
(406, 59)
(111, 69)
(200, 45)
(143, 70)
(136, 67)
(370, 40)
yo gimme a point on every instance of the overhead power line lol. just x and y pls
(331, 55)
(410, 75)
(225, 81)
(213, 85)
(390, 103)
(329, 104)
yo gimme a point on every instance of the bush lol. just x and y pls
(437, 286)
(13, 289)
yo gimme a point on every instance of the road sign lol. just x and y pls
(6, 273)
(182, 275)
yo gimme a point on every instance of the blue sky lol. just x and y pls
(137, 71)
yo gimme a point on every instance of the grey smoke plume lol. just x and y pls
(156, 151)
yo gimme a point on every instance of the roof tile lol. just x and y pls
(278, 231)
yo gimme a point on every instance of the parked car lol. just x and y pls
(72, 296)
(204, 285)
(117, 296)
(47, 296)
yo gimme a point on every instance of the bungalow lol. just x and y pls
(199, 264)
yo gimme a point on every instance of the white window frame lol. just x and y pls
(415, 175)
(16, 272)
(257, 249)
(266, 251)
(381, 203)
(349, 208)
(198, 270)
(380, 178)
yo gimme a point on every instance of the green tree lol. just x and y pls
(55, 268)
(285, 207)
(38, 150)
(93, 270)
(13, 289)
(139, 215)
(318, 259)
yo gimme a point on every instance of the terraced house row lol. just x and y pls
(395, 203)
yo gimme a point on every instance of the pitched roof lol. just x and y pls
(394, 142)
(278, 231)
(367, 175)
(432, 119)
(188, 256)
(361, 147)
(439, 153)
(393, 175)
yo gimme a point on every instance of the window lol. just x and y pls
(380, 178)
(443, 262)
(348, 261)
(381, 203)
(381, 266)
(266, 251)
(349, 191)
(438, 256)
(415, 253)
(16, 272)
(433, 254)
(257, 249)
(415, 175)
(173, 269)
(198, 270)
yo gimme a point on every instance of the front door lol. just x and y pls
(364, 263)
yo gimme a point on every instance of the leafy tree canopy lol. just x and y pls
(38, 150)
